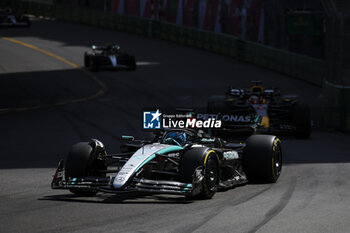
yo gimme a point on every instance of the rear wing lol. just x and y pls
(246, 92)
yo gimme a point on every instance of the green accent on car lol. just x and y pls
(126, 137)
(162, 151)
(169, 149)
(72, 182)
(146, 161)
(185, 190)
(256, 119)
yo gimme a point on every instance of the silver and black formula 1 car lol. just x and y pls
(9, 18)
(108, 57)
(279, 114)
(177, 161)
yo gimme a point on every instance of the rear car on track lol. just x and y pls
(177, 161)
(9, 18)
(108, 57)
(280, 114)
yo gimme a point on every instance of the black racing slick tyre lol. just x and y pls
(205, 159)
(211, 176)
(262, 160)
(81, 162)
(301, 121)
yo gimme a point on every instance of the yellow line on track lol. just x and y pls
(100, 92)
(42, 51)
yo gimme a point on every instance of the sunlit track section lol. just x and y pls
(100, 92)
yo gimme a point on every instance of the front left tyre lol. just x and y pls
(82, 162)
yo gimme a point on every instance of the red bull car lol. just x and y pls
(177, 161)
(280, 114)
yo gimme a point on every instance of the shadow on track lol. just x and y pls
(25, 89)
(126, 198)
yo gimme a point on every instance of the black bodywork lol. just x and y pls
(280, 114)
(108, 57)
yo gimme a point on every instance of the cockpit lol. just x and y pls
(178, 138)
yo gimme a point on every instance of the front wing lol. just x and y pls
(105, 184)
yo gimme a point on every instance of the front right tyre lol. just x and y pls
(211, 176)
(262, 159)
(206, 160)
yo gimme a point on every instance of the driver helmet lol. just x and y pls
(177, 138)
(236, 92)
(116, 48)
(255, 99)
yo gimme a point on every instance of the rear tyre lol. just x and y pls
(302, 122)
(262, 160)
(81, 162)
(207, 160)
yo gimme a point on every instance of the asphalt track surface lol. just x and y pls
(47, 104)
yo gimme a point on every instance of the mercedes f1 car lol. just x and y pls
(177, 161)
(108, 57)
(8, 18)
(279, 114)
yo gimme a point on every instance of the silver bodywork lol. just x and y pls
(139, 158)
